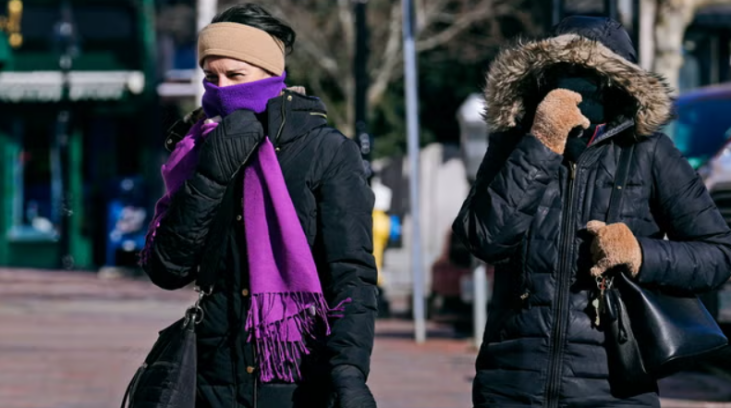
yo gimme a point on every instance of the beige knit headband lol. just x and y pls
(244, 43)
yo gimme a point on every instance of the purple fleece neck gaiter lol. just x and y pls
(253, 96)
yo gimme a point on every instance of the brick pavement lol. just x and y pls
(73, 341)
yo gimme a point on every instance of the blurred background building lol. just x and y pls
(80, 112)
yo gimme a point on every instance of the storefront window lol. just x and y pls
(34, 213)
(107, 33)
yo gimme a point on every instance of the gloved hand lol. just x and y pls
(614, 245)
(556, 116)
(351, 389)
(229, 145)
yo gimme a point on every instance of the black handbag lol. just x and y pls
(651, 333)
(167, 378)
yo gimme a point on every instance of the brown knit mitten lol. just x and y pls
(614, 245)
(556, 116)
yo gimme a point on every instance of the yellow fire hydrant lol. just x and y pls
(381, 233)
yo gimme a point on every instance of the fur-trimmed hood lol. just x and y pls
(518, 72)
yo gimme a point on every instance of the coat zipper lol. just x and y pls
(256, 390)
(246, 160)
(559, 327)
(276, 143)
(284, 120)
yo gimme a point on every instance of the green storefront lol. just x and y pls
(111, 132)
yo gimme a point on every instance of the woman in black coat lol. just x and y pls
(248, 109)
(560, 111)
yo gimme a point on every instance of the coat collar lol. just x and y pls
(292, 115)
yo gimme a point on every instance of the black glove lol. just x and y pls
(229, 146)
(351, 389)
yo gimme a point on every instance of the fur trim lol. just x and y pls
(515, 71)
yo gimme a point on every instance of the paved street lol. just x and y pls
(73, 341)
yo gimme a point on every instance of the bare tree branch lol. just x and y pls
(390, 59)
(456, 28)
(325, 46)
(345, 14)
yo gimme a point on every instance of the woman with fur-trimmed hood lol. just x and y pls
(560, 111)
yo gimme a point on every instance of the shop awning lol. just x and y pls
(46, 86)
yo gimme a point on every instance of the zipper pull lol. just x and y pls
(573, 170)
(525, 303)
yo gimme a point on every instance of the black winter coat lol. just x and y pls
(527, 215)
(325, 178)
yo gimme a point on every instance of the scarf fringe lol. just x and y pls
(277, 355)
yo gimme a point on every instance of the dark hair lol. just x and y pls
(256, 16)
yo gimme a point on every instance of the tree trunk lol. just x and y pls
(646, 37)
(673, 16)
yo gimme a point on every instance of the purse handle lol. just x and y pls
(620, 181)
(214, 249)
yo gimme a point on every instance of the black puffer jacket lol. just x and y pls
(324, 175)
(528, 210)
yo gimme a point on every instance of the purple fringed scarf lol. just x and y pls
(286, 295)
(287, 299)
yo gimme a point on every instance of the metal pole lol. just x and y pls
(62, 200)
(636, 28)
(412, 124)
(205, 11)
(557, 11)
(360, 72)
(479, 302)
(610, 9)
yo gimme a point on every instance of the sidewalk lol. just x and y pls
(73, 341)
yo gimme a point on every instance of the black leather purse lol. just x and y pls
(651, 333)
(167, 378)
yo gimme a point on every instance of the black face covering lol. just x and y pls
(592, 105)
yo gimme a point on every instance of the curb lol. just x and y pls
(676, 403)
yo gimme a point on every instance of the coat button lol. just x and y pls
(250, 370)
(239, 218)
(289, 98)
(169, 141)
(245, 292)
(279, 149)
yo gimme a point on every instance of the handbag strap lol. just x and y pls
(215, 245)
(620, 180)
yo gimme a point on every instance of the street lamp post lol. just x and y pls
(65, 38)
(412, 124)
(611, 10)
(360, 73)
(556, 11)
